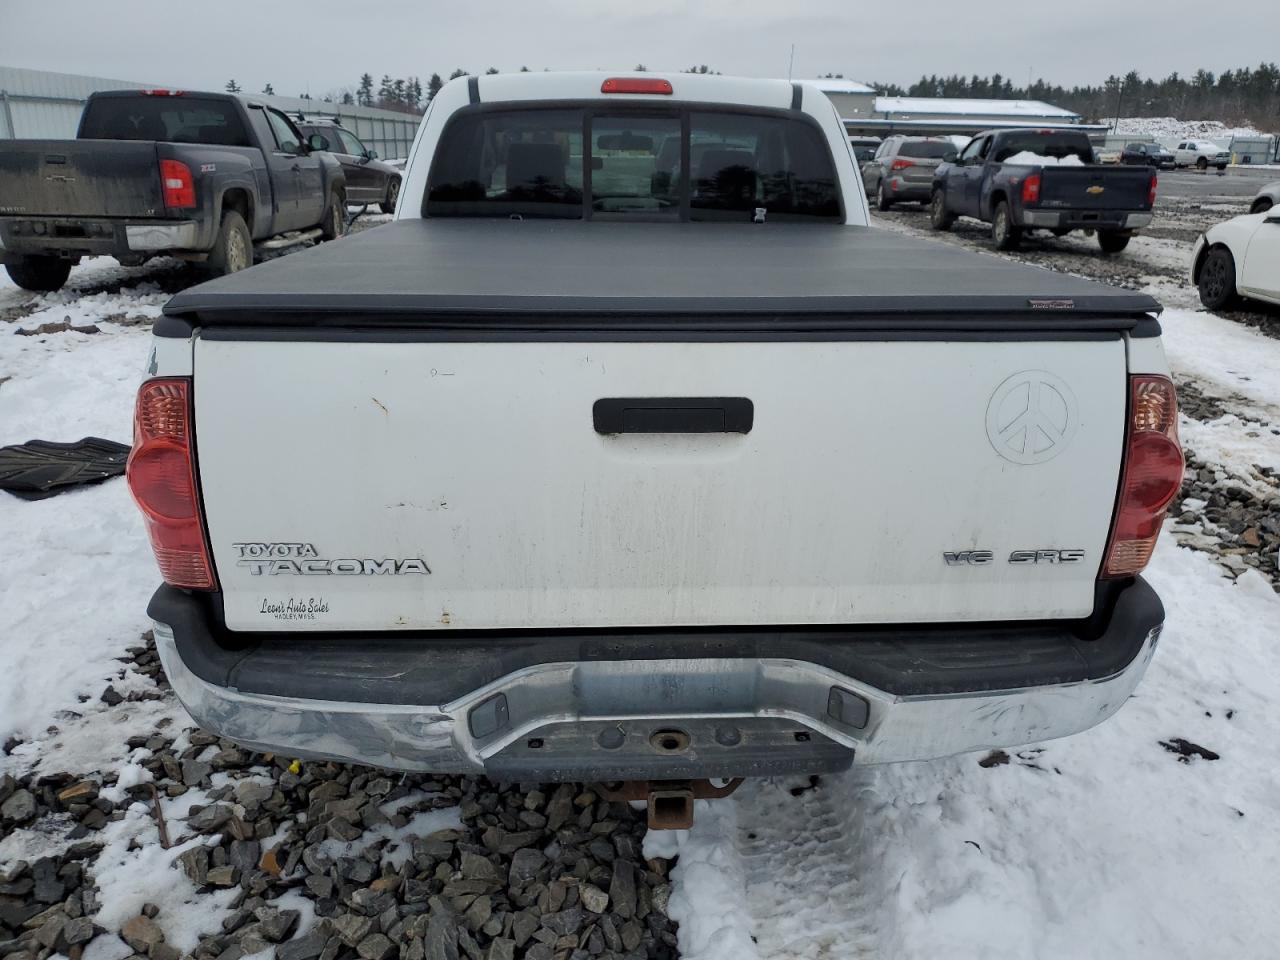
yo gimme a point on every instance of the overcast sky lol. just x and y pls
(324, 45)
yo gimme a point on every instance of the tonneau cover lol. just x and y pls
(459, 271)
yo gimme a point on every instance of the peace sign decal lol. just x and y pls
(1031, 417)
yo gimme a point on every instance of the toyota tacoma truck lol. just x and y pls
(1020, 180)
(207, 177)
(629, 452)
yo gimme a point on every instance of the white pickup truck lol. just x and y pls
(629, 452)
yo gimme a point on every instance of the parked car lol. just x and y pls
(542, 484)
(1020, 180)
(208, 177)
(864, 148)
(902, 169)
(1147, 155)
(1268, 197)
(1200, 154)
(1109, 155)
(1239, 257)
(369, 180)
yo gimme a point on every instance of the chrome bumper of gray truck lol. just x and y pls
(589, 706)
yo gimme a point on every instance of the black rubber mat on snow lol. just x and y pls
(40, 468)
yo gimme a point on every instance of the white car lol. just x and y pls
(1201, 154)
(1240, 257)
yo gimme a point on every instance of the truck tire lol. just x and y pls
(334, 224)
(1217, 280)
(939, 217)
(1004, 233)
(38, 274)
(882, 199)
(1202, 163)
(1261, 205)
(393, 196)
(233, 249)
(1112, 242)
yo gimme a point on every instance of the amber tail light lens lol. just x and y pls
(161, 473)
(1150, 475)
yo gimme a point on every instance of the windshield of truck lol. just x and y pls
(642, 163)
(1057, 146)
(167, 119)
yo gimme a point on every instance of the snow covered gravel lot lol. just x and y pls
(1155, 835)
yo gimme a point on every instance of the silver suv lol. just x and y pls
(902, 169)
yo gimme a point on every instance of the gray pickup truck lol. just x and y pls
(1020, 180)
(202, 176)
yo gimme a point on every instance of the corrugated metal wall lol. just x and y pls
(38, 104)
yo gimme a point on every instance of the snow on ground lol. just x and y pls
(75, 571)
(1101, 845)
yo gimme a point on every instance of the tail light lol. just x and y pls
(1031, 189)
(179, 188)
(157, 92)
(1151, 192)
(901, 164)
(1149, 476)
(162, 480)
(637, 85)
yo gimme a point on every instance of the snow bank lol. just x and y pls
(1171, 128)
(1029, 159)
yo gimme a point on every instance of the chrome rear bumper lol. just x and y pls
(597, 719)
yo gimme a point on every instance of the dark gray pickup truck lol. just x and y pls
(201, 176)
(1019, 180)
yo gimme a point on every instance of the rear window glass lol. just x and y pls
(1045, 145)
(642, 164)
(926, 149)
(167, 119)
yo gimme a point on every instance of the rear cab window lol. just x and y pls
(925, 149)
(650, 163)
(168, 119)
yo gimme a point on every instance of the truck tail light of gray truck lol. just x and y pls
(517, 496)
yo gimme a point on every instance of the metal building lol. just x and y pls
(932, 116)
(39, 104)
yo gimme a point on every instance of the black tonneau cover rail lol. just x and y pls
(480, 278)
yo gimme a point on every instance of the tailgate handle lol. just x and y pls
(673, 415)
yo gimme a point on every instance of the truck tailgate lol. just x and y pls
(328, 468)
(80, 178)
(1095, 187)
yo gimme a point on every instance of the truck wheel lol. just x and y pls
(233, 250)
(1217, 283)
(1112, 242)
(37, 273)
(1003, 232)
(393, 195)
(335, 217)
(882, 199)
(939, 217)
(1202, 163)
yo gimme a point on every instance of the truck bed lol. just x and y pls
(592, 278)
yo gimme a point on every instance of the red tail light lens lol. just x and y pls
(162, 480)
(1151, 192)
(637, 85)
(1031, 189)
(178, 186)
(1150, 475)
(901, 164)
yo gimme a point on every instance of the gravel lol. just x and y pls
(551, 871)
